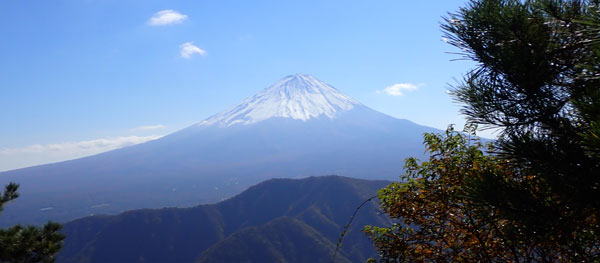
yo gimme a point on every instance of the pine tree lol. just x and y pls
(537, 80)
(29, 244)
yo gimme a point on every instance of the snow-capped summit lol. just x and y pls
(299, 97)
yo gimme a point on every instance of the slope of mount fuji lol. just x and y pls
(296, 128)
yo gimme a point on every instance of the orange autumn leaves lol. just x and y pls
(438, 222)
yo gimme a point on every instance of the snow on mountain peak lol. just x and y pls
(299, 97)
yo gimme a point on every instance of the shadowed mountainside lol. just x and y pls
(280, 220)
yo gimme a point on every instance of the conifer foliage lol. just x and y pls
(30, 244)
(536, 196)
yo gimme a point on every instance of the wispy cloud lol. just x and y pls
(399, 89)
(97, 144)
(166, 17)
(13, 158)
(188, 49)
(149, 127)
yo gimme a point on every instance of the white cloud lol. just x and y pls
(149, 127)
(166, 17)
(14, 158)
(188, 49)
(399, 89)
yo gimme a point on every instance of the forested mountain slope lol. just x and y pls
(280, 220)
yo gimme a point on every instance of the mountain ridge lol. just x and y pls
(276, 219)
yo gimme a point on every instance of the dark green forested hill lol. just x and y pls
(284, 239)
(280, 220)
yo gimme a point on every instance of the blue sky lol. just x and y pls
(103, 73)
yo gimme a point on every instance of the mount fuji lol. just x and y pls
(298, 127)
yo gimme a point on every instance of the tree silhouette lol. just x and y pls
(537, 80)
(19, 244)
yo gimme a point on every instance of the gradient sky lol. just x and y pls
(80, 77)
